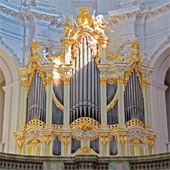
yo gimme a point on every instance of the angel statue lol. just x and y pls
(100, 24)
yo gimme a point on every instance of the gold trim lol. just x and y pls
(113, 102)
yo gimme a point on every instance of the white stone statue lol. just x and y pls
(44, 57)
(100, 24)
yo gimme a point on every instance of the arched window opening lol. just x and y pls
(167, 98)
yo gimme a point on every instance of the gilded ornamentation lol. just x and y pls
(151, 141)
(20, 140)
(66, 81)
(122, 137)
(48, 138)
(36, 122)
(58, 81)
(120, 80)
(145, 83)
(113, 102)
(84, 19)
(49, 80)
(111, 81)
(136, 141)
(57, 102)
(66, 139)
(103, 80)
(24, 83)
(104, 139)
(85, 149)
(134, 122)
(85, 126)
(115, 136)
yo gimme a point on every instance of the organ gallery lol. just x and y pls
(86, 100)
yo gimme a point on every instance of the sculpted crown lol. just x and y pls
(84, 18)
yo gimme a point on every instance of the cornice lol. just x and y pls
(27, 13)
(139, 12)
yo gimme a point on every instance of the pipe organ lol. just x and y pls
(86, 100)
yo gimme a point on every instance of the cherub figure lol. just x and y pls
(44, 58)
(99, 24)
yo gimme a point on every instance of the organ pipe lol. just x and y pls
(133, 99)
(85, 92)
(36, 101)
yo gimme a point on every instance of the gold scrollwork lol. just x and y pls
(57, 102)
(104, 139)
(48, 137)
(145, 83)
(111, 81)
(103, 80)
(66, 81)
(24, 83)
(151, 141)
(85, 149)
(85, 126)
(66, 139)
(49, 80)
(122, 137)
(20, 141)
(113, 102)
(120, 80)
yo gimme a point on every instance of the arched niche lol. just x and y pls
(11, 90)
(157, 88)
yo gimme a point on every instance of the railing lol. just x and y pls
(90, 162)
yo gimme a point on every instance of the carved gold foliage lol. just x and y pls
(48, 137)
(145, 83)
(24, 83)
(20, 141)
(66, 139)
(103, 80)
(135, 45)
(67, 81)
(136, 141)
(104, 139)
(59, 81)
(111, 81)
(85, 149)
(49, 80)
(120, 80)
(151, 141)
(85, 126)
(122, 137)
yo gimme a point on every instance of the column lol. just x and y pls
(146, 102)
(49, 98)
(122, 144)
(103, 99)
(66, 101)
(66, 145)
(7, 114)
(120, 86)
(49, 137)
(15, 98)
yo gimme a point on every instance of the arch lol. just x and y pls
(161, 64)
(8, 67)
(158, 116)
(11, 100)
